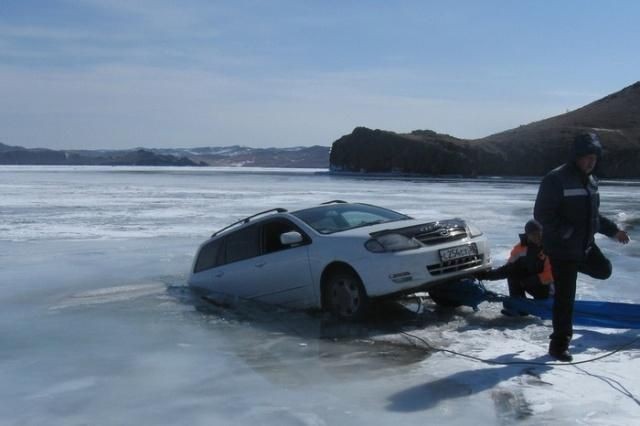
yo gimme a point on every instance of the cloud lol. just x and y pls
(128, 106)
(158, 14)
(161, 73)
(44, 33)
(112, 32)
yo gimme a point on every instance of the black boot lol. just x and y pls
(560, 350)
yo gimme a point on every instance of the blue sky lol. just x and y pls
(126, 73)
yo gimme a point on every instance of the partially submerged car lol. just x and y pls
(335, 256)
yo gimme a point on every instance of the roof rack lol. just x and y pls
(334, 202)
(247, 219)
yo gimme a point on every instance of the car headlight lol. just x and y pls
(391, 242)
(473, 230)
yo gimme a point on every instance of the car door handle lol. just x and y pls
(219, 274)
(261, 264)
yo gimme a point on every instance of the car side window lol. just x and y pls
(242, 244)
(271, 232)
(325, 221)
(208, 257)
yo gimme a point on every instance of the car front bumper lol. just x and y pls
(412, 270)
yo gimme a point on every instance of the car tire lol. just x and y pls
(345, 296)
(442, 300)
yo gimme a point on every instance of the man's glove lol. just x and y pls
(483, 275)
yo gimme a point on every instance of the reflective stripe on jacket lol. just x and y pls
(567, 206)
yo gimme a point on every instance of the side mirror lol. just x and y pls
(291, 238)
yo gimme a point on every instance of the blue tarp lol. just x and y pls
(471, 292)
(585, 312)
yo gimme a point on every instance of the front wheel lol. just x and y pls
(345, 296)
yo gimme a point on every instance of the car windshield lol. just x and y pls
(331, 218)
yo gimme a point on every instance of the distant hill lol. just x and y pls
(315, 156)
(17, 155)
(303, 157)
(528, 150)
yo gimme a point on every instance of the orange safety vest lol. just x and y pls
(520, 250)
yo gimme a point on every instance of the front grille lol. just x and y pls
(441, 235)
(455, 265)
(433, 232)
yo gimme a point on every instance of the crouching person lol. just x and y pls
(528, 270)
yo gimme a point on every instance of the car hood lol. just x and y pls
(401, 226)
(426, 232)
(380, 227)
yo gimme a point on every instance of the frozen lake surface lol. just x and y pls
(98, 327)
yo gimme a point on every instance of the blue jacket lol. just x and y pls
(567, 206)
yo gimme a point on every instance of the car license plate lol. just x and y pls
(457, 252)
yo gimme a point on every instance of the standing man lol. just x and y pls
(567, 207)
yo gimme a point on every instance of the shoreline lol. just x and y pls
(462, 178)
(314, 171)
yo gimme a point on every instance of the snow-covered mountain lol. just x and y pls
(305, 157)
(236, 155)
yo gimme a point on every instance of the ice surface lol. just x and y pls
(97, 326)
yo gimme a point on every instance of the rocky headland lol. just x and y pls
(528, 150)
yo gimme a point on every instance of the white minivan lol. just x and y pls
(335, 256)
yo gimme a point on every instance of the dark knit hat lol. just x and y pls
(532, 226)
(585, 144)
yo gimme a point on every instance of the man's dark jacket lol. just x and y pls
(528, 266)
(567, 206)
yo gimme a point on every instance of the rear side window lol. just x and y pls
(208, 256)
(242, 244)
